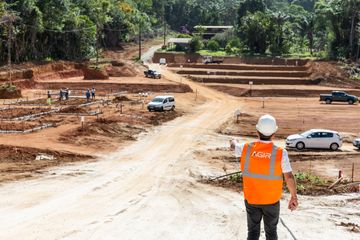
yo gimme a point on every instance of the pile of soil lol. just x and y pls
(121, 99)
(71, 101)
(333, 75)
(158, 118)
(19, 162)
(123, 71)
(10, 113)
(73, 109)
(9, 92)
(125, 127)
(55, 101)
(16, 126)
(93, 73)
(101, 132)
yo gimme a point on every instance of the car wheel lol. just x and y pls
(328, 101)
(334, 146)
(173, 108)
(161, 109)
(300, 146)
(351, 101)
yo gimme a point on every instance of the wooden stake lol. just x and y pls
(337, 181)
(352, 172)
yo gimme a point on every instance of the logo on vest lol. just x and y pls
(261, 155)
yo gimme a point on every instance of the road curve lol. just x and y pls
(144, 191)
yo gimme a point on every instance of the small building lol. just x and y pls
(209, 32)
(180, 44)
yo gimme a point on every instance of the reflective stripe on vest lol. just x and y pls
(271, 176)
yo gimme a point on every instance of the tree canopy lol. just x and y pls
(74, 29)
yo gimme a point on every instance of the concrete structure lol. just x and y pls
(211, 31)
(181, 43)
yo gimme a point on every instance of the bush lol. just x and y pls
(196, 44)
(183, 35)
(179, 48)
(8, 87)
(225, 37)
(213, 45)
(235, 43)
(232, 50)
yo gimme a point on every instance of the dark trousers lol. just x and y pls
(255, 213)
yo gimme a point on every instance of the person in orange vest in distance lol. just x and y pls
(263, 165)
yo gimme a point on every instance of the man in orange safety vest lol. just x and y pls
(263, 165)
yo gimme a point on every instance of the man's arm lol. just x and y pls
(291, 185)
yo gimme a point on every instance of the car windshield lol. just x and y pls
(158, 100)
(307, 133)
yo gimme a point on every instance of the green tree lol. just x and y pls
(254, 31)
(196, 44)
(277, 36)
(250, 6)
(213, 45)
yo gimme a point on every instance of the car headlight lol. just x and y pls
(290, 140)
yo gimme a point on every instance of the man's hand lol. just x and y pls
(291, 184)
(293, 203)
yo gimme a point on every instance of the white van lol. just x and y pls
(162, 103)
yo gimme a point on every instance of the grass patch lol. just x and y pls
(356, 77)
(214, 54)
(8, 87)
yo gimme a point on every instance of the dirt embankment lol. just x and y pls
(55, 101)
(274, 92)
(6, 94)
(119, 87)
(104, 133)
(331, 74)
(20, 162)
(10, 113)
(295, 116)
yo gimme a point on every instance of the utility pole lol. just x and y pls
(97, 45)
(9, 19)
(139, 41)
(164, 23)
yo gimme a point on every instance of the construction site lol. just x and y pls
(78, 168)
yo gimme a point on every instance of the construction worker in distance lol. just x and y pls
(263, 165)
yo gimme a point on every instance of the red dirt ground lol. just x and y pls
(20, 112)
(19, 162)
(296, 115)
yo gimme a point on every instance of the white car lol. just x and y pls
(315, 138)
(162, 103)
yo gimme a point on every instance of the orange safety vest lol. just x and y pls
(262, 173)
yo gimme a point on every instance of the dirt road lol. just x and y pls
(145, 191)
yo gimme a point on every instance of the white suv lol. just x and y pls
(315, 138)
(162, 103)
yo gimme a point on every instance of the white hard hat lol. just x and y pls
(267, 125)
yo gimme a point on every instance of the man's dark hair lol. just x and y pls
(264, 138)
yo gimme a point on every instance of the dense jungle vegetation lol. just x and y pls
(74, 29)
